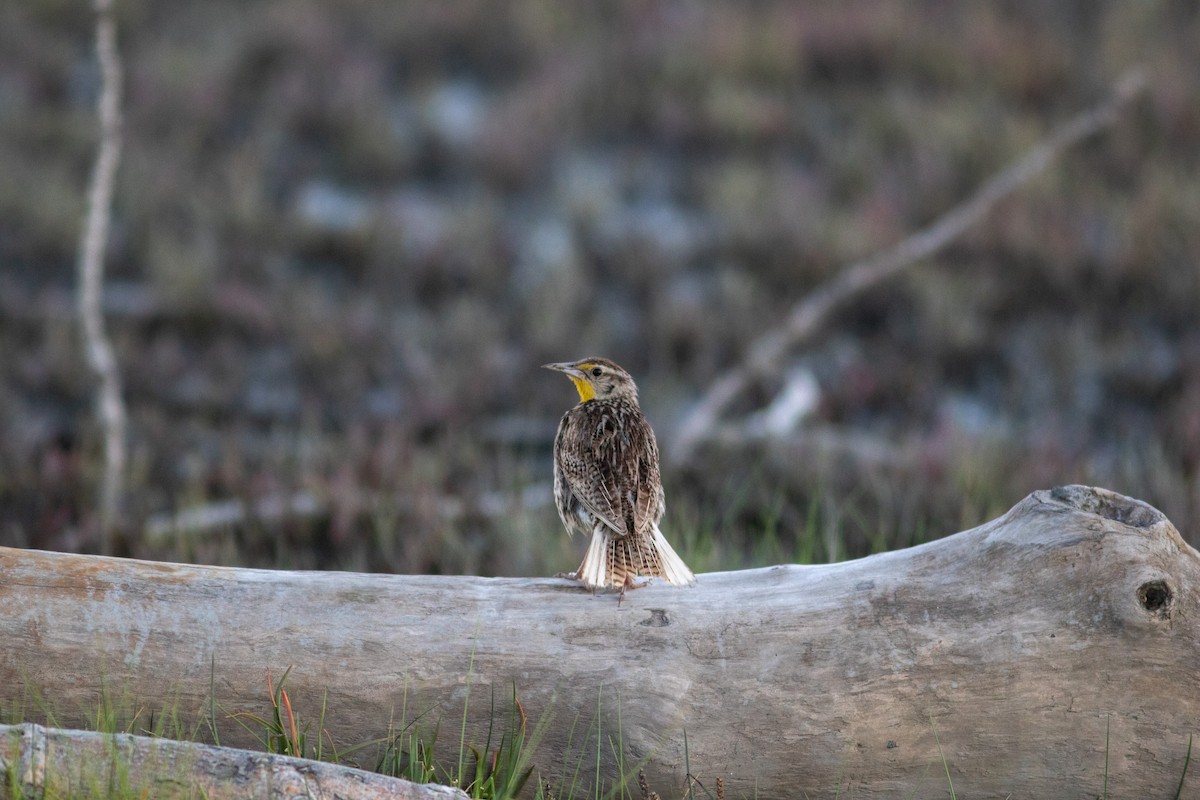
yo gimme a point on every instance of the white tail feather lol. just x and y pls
(674, 570)
(594, 569)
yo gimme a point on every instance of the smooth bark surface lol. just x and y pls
(1021, 655)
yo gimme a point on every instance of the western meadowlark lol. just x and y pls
(607, 482)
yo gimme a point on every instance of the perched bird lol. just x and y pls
(607, 483)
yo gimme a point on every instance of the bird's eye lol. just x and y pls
(597, 371)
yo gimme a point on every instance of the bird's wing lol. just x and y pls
(586, 457)
(646, 481)
(611, 466)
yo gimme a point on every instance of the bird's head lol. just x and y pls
(597, 379)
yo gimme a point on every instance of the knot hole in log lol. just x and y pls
(658, 618)
(1155, 597)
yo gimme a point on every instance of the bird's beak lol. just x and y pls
(567, 367)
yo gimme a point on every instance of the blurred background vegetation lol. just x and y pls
(346, 235)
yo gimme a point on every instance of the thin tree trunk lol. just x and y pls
(1049, 653)
(110, 405)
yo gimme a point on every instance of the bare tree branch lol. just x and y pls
(808, 315)
(99, 352)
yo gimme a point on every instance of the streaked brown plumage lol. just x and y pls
(607, 483)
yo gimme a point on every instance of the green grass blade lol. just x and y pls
(687, 768)
(945, 764)
(578, 761)
(321, 724)
(1107, 732)
(212, 699)
(462, 735)
(1186, 761)
(596, 785)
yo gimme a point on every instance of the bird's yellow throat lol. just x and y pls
(585, 389)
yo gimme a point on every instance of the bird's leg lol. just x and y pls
(629, 585)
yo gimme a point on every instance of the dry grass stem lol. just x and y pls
(644, 787)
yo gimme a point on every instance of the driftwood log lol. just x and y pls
(1053, 652)
(47, 762)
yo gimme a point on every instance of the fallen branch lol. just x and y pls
(806, 317)
(209, 518)
(98, 349)
(1028, 652)
(48, 762)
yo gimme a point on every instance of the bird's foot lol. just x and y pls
(575, 576)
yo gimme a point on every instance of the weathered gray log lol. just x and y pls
(1029, 656)
(47, 762)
